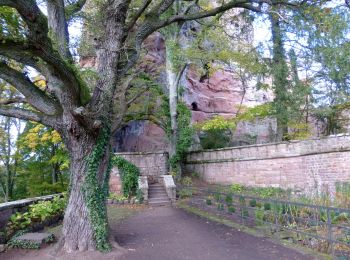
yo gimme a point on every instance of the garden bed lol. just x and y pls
(324, 229)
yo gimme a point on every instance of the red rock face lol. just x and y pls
(219, 94)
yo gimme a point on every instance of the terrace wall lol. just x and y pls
(310, 165)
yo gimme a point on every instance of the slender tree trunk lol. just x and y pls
(280, 81)
(173, 98)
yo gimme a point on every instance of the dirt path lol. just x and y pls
(171, 233)
(167, 233)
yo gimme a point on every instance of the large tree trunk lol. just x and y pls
(85, 222)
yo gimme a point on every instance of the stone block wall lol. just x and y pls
(310, 165)
(149, 164)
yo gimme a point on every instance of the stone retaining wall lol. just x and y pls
(149, 164)
(316, 164)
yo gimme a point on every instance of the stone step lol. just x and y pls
(157, 191)
(158, 196)
(159, 203)
(36, 239)
(159, 199)
(156, 188)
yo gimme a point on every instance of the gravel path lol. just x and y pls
(171, 233)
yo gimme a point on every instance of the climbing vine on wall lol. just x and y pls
(185, 135)
(129, 174)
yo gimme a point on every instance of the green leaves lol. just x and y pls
(37, 212)
(129, 174)
(94, 192)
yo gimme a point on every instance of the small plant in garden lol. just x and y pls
(228, 199)
(186, 181)
(220, 207)
(217, 197)
(185, 193)
(236, 188)
(242, 200)
(252, 203)
(231, 209)
(267, 206)
(208, 202)
(245, 213)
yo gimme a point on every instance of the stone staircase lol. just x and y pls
(157, 195)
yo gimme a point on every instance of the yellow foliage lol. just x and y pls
(39, 134)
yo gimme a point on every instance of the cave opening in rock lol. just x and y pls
(194, 106)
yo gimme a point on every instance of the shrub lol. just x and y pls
(245, 213)
(228, 199)
(214, 139)
(217, 197)
(185, 193)
(267, 206)
(252, 203)
(236, 188)
(231, 209)
(186, 181)
(242, 200)
(129, 175)
(208, 201)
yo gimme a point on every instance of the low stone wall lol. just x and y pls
(316, 164)
(9, 208)
(149, 164)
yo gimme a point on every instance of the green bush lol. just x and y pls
(129, 174)
(242, 200)
(245, 213)
(231, 209)
(252, 203)
(217, 197)
(214, 139)
(186, 181)
(259, 216)
(185, 193)
(228, 199)
(236, 188)
(267, 206)
(208, 201)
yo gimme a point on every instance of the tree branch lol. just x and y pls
(136, 96)
(142, 9)
(74, 8)
(34, 96)
(25, 114)
(58, 25)
(12, 101)
(40, 45)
